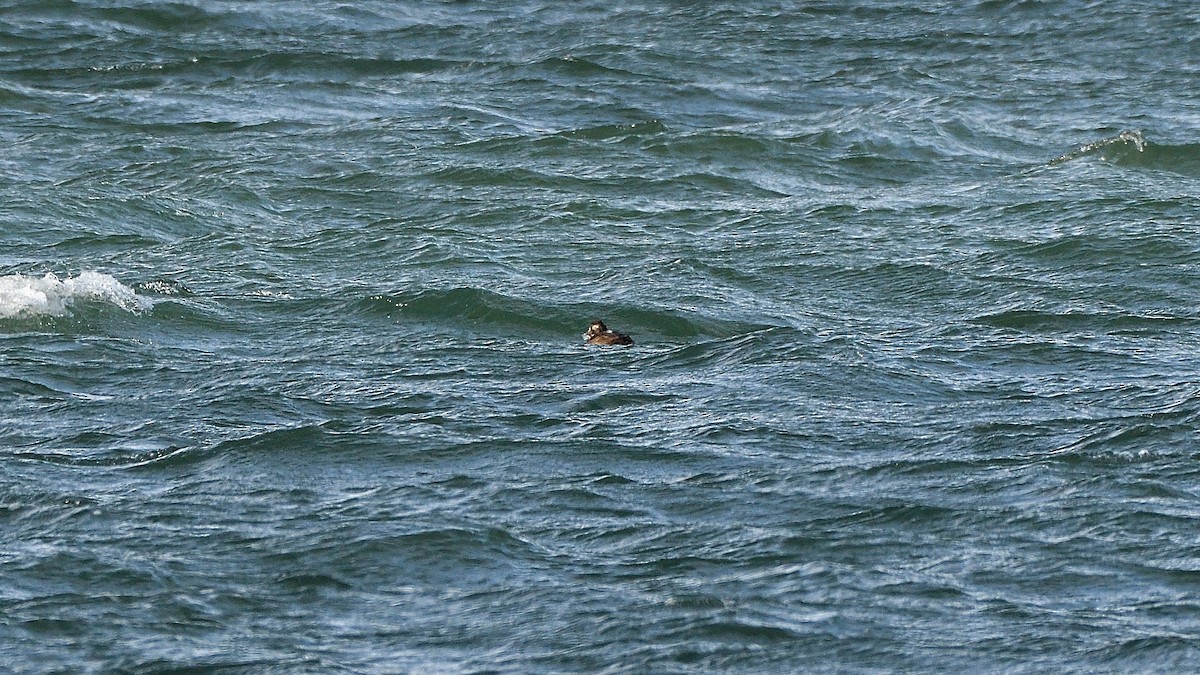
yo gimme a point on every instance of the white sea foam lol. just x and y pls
(25, 296)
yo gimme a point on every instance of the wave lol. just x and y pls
(608, 132)
(584, 67)
(1132, 149)
(481, 309)
(120, 459)
(1181, 159)
(1032, 320)
(1121, 143)
(464, 305)
(23, 296)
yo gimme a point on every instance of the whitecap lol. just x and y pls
(24, 296)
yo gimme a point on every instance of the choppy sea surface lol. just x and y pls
(291, 367)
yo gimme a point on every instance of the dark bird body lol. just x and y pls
(599, 334)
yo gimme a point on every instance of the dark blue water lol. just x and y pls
(291, 367)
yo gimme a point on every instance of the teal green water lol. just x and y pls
(291, 367)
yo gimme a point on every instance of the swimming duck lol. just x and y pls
(599, 334)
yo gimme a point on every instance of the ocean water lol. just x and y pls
(291, 375)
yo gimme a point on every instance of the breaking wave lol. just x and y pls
(24, 296)
(1124, 142)
(1132, 149)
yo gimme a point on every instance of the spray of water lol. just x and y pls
(23, 296)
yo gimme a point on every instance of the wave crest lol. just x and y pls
(24, 296)
(1125, 140)
(1132, 149)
